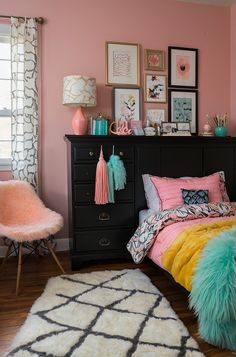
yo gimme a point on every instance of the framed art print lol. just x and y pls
(183, 108)
(122, 64)
(126, 103)
(154, 60)
(183, 126)
(155, 88)
(183, 67)
(155, 117)
(168, 128)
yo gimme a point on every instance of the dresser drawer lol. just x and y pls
(104, 215)
(87, 172)
(84, 193)
(92, 152)
(102, 240)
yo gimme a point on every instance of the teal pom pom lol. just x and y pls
(213, 295)
(119, 172)
(111, 198)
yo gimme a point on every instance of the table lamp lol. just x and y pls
(79, 91)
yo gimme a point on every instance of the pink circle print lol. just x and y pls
(153, 60)
(182, 67)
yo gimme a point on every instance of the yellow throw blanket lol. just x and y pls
(181, 257)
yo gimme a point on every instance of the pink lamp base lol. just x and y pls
(79, 122)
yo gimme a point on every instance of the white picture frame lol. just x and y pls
(155, 88)
(126, 104)
(155, 116)
(183, 126)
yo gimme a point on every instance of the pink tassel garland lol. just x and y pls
(101, 187)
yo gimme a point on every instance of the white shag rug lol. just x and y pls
(103, 314)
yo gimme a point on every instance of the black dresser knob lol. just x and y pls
(104, 242)
(91, 153)
(104, 216)
(121, 153)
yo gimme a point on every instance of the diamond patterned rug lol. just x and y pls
(101, 314)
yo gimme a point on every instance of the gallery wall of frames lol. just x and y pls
(169, 87)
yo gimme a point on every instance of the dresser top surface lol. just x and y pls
(151, 139)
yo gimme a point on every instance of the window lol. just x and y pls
(5, 97)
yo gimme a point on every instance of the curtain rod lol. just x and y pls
(39, 20)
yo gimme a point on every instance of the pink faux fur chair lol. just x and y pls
(25, 221)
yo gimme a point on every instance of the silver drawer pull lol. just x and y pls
(104, 216)
(104, 242)
(121, 153)
(91, 153)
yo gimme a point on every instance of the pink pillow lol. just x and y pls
(169, 189)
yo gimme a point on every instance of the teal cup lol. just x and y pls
(221, 131)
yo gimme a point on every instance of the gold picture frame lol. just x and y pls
(154, 60)
(122, 64)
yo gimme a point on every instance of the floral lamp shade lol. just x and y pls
(79, 91)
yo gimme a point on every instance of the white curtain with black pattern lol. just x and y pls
(24, 58)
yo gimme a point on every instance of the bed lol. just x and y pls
(189, 230)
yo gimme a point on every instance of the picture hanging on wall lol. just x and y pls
(183, 107)
(155, 116)
(154, 60)
(183, 67)
(122, 64)
(126, 104)
(155, 88)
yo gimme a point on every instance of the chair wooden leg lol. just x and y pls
(19, 267)
(48, 245)
(7, 253)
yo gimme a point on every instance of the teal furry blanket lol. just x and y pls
(213, 295)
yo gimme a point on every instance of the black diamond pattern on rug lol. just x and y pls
(101, 314)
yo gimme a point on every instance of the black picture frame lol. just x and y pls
(177, 69)
(183, 107)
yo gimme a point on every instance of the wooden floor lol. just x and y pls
(37, 270)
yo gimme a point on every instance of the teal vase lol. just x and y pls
(221, 131)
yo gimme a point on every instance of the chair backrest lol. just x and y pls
(18, 202)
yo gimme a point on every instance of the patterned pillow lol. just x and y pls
(169, 189)
(191, 197)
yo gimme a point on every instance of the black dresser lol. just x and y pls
(100, 232)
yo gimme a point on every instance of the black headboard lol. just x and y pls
(185, 156)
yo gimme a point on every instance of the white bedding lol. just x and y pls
(145, 213)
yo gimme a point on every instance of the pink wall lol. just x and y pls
(73, 42)
(233, 69)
